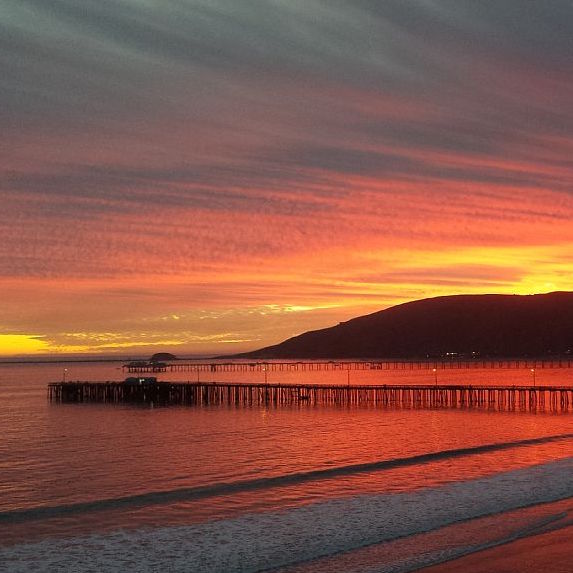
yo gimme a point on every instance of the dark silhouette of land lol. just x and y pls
(162, 357)
(462, 325)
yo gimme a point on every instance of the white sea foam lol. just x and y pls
(258, 542)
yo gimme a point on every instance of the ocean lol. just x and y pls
(299, 488)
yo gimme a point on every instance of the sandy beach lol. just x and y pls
(550, 552)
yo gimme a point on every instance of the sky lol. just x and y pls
(213, 176)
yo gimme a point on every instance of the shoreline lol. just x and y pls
(550, 551)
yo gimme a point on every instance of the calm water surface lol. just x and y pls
(103, 487)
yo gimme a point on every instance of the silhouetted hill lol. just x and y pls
(488, 325)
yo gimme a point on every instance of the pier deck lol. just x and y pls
(331, 365)
(555, 398)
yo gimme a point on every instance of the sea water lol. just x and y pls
(296, 489)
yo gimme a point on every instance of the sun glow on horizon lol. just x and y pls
(16, 344)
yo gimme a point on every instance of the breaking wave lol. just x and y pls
(229, 488)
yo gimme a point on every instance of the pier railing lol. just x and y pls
(555, 398)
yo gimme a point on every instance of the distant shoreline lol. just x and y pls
(68, 360)
(264, 360)
(59, 361)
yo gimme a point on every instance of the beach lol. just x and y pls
(550, 552)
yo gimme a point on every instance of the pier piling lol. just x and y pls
(557, 398)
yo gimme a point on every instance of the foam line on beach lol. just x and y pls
(551, 523)
(229, 488)
(405, 555)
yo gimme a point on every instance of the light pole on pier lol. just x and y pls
(266, 378)
(64, 376)
(533, 373)
(435, 370)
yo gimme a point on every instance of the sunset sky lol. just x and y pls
(212, 176)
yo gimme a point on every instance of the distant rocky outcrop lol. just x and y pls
(162, 357)
(462, 325)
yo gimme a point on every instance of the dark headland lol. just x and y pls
(462, 325)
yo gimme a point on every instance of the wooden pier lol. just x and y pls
(554, 398)
(331, 365)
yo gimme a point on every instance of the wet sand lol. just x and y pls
(550, 552)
